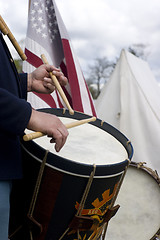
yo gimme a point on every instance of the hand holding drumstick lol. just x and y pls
(49, 125)
(34, 135)
(58, 87)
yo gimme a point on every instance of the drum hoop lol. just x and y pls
(141, 166)
(70, 173)
(149, 171)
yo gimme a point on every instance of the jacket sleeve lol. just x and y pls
(23, 84)
(15, 113)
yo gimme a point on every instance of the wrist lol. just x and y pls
(36, 122)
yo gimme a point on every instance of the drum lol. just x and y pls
(139, 198)
(67, 195)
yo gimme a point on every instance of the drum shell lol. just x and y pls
(62, 188)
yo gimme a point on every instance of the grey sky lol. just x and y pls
(99, 28)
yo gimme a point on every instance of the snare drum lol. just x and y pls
(139, 198)
(65, 179)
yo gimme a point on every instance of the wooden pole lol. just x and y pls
(29, 4)
(13, 40)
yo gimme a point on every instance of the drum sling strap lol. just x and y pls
(35, 194)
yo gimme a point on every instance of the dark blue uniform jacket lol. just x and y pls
(14, 114)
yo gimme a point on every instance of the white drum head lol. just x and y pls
(88, 144)
(139, 215)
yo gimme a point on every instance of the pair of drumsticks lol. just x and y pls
(6, 31)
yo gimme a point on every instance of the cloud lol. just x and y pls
(99, 28)
(105, 28)
(15, 14)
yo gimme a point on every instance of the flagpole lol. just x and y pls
(5, 29)
(29, 4)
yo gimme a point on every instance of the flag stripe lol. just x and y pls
(33, 59)
(47, 98)
(67, 96)
(59, 101)
(72, 75)
(64, 69)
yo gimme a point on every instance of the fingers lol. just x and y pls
(51, 126)
(51, 68)
(61, 78)
(59, 137)
(58, 132)
(56, 71)
(48, 84)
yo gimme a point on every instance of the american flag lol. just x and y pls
(46, 34)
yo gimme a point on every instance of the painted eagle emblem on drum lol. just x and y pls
(97, 213)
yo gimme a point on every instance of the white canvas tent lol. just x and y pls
(130, 101)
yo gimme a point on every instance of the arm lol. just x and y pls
(39, 80)
(23, 84)
(15, 113)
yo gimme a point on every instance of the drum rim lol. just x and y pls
(71, 167)
(68, 165)
(141, 166)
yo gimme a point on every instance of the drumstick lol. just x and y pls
(58, 86)
(3, 29)
(7, 32)
(35, 135)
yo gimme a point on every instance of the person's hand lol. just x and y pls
(39, 80)
(51, 126)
